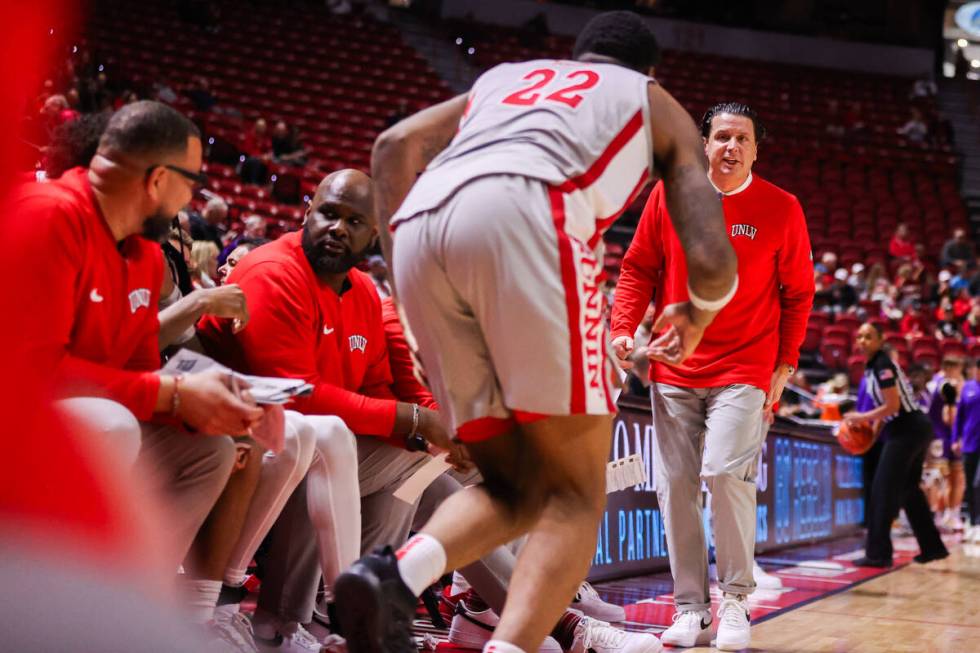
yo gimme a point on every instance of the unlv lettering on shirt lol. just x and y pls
(358, 342)
(744, 230)
(139, 298)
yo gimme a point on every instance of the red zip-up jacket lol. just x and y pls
(764, 324)
(94, 325)
(300, 328)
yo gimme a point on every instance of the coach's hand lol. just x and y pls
(432, 428)
(211, 403)
(684, 332)
(623, 347)
(226, 301)
(776, 386)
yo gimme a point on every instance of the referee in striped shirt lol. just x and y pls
(905, 434)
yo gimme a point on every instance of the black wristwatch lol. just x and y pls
(416, 443)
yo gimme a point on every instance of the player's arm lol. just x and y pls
(692, 202)
(403, 151)
(695, 211)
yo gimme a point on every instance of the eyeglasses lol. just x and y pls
(199, 178)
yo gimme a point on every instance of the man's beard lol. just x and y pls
(325, 263)
(157, 226)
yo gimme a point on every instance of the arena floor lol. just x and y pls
(827, 605)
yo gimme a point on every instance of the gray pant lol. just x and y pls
(185, 472)
(190, 472)
(712, 435)
(293, 570)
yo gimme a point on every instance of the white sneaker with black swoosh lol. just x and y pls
(734, 627)
(690, 628)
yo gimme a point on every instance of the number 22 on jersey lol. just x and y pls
(570, 87)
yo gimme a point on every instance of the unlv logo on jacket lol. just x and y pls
(744, 230)
(139, 298)
(358, 342)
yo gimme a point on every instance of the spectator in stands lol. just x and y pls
(858, 279)
(399, 114)
(73, 143)
(286, 145)
(915, 128)
(962, 303)
(842, 296)
(957, 250)
(966, 442)
(256, 145)
(923, 89)
(378, 270)
(827, 265)
(255, 227)
(906, 434)
(906, 280)
(211, 224)
(56, 112)
(960, 281)
(199, 93)
(913, 322)
(875, 274)
(204, 264)
(901, 246)
(245, 245)
(971, 325)
(947, 325)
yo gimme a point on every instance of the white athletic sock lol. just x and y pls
(500, 646)
(201, 597)
(421, 562)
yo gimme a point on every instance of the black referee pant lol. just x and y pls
(896, 486)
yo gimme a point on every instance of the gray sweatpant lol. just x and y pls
(712, 435)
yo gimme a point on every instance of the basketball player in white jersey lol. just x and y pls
(495, 263)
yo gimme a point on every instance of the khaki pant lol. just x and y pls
(712, 435)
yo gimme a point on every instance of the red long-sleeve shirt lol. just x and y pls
(765, 322)
(300, 328)
(94, 325)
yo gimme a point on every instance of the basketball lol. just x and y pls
(856, 439)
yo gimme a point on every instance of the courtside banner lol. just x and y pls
(809, 490)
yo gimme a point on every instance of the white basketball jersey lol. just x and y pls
(582, 128)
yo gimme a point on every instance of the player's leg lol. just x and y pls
(281, 474)
(573, 451)
(333, 495)
(679, 419)
(733, 438)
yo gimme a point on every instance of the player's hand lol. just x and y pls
(622, 346)
(776, 386)
(956, 447)
(270, 433)
(226, 301)
(211, 404)
(680, 339)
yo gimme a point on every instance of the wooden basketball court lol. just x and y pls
(934, 607)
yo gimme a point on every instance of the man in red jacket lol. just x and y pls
(709, 411)
(96, 332)
(313, 316)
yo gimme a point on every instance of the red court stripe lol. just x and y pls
(569, 279)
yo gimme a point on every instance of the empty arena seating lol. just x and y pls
(336, 79)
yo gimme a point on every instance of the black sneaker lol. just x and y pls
(923, 558)
(374, 607)
(872, 562)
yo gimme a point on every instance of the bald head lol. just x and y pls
(349, 187)
(341, 226)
